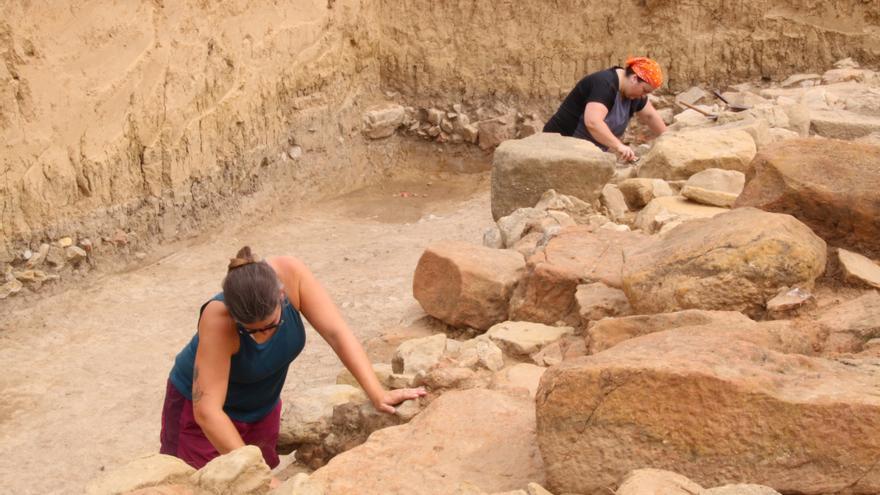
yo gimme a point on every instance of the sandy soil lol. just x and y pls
(84, 370)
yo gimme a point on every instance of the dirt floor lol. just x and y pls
(84, 370)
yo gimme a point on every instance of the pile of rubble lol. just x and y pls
(709, 311)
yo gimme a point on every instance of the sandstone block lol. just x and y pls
(730, 410)
(596, 301)
(382, 122)
(842, 124)
(152, 470)
(466, 285)
(418, 355)
(829, 185)
(523, 338)
(680, 155)
(605, 334)
(519, 376)
(639, 192)
(307, 417)
(851, 324)
(576, 256)
(479, 353)
(657, 482)
(715, 187)
(240, 472)
(454, 440)
(523, 169)
(858, 269)
(733, 261)
(614, 202)
(672, 210)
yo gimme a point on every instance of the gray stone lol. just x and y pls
(479, 353)
(524, 169)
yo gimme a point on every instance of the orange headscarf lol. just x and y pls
(646, 69)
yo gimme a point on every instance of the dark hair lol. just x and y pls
(250, 288)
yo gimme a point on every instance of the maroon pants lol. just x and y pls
(182, 437)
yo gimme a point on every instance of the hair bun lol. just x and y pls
(242, 258)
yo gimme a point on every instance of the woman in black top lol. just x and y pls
(599, 107)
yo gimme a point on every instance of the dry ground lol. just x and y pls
(84, 370)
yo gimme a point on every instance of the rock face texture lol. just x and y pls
(416, 61)
(733, 261)
(677, 156)
(482, 437)
(829, 185)
(576, 256)
(174, 111)
(794, 423)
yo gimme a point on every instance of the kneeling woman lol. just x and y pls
(224, 391)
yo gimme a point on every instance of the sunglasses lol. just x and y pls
(271, 326)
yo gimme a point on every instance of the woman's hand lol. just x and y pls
(625, 153)
(392, 398)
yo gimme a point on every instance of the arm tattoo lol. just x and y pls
(196, 390)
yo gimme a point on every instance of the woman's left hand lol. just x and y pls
(392, 398)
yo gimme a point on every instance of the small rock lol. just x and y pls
(740, 489)
(614, 201)
(445, 378)
(382, 122)
(382, 371)
(789, 300)
(242, 471)
(858, 269)
(418, 355)
(522, 338)
(75, 255)
(27, 254)
(119, 238)
(38, 258)
(65, 242)
(715, 187)
(294, 152)
(140, 255)
(639, 192)
(692, 96)
(479, 353)
(846, 63)
(521, 375)
(434, 116)
(307, 416)
(399, 380)
(9, 288)
(657, 481)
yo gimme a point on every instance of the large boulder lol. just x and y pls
(578, 255)
(467, 285)
(307, 416)
(830, 185)
(677, 156)
(523, 338)
(482, 437)
(523, 169)
(734, 261)
(608, 332)
(716, 406)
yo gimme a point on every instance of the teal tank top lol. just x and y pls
(257, 371)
